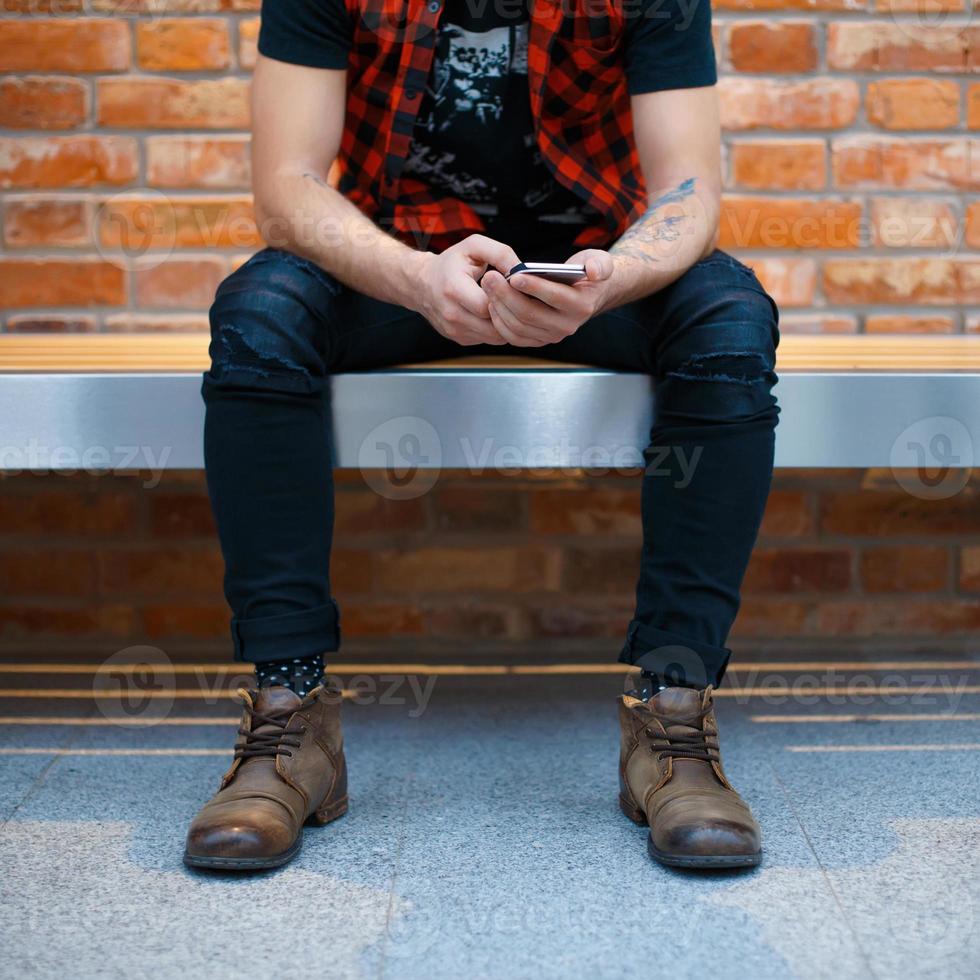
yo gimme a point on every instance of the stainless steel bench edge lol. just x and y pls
(481, 419)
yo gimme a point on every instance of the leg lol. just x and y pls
(266, 456)
(280, 325)
(714, 427)
(709, 340)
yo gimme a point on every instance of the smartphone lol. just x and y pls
(554, 271)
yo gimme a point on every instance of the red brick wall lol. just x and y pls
(849, 159)
(847, 560)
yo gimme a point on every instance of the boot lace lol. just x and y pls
(684, 745)
(273, 743)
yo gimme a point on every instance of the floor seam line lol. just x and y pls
(823, 871)
(391, 902)
(59, 754)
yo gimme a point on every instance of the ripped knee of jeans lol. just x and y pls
(722, 387)
(732, 367)
(237, 358)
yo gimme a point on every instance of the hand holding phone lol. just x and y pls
(536, 309)
(552, 271)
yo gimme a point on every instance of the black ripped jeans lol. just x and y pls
(281, 326)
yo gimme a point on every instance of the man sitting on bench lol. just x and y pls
(469, 138)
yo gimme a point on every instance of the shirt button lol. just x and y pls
(411, 93)
(434, 7)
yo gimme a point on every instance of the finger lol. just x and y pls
(599, 265)
(489, 252)
(530, 311)
(500, 291)
(557, 295)
(471, 297)
(455, 321)
(477, 326)
(466, 323)
(491, 281)
(516, 332)
(490, 335)
(512, 338)
(522, 325)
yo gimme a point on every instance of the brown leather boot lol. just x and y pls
(289, 769)
(670, 776)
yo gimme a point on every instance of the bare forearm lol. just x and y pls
(303, 214)
(678, 228)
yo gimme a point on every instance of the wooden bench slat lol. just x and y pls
(69, 353)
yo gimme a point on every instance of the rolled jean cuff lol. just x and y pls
(674, 657)
(306, 633)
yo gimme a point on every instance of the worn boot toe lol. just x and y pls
(688, 838)
(260, 831)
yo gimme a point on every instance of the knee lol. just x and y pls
(720, 355)
(720, 321)
(268, 324)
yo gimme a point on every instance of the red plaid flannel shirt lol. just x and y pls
(578, 100)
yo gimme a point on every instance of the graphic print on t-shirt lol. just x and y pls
(464, 105)
(471, 72)
(474, 136)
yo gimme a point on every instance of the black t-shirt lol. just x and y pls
(474, 136)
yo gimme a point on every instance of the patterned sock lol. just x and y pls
(299, 674)
(649, 685)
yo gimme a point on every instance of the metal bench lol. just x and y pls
(69, 401)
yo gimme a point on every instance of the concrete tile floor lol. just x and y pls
(484, 840)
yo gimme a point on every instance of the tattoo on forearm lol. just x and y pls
(644, 239)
